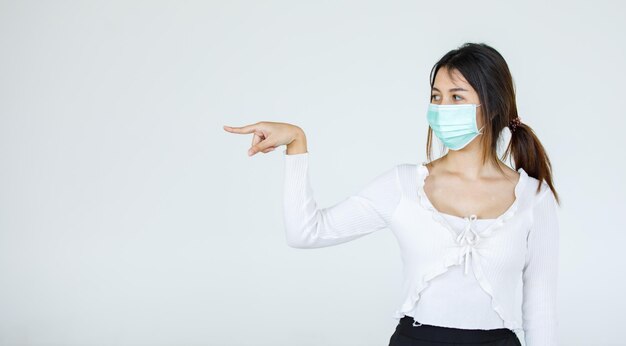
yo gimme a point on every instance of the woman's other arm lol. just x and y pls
(540, 274)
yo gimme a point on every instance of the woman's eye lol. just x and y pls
(454, 96)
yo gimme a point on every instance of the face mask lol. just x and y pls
(454, 125)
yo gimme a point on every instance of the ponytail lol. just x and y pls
(530, 155)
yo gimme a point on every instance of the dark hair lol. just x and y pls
(488, 73)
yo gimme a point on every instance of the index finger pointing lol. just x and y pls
(242, 129)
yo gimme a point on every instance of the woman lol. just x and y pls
(478, 240)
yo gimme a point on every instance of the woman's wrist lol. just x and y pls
(298, 145)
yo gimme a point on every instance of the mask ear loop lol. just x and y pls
(479, 130)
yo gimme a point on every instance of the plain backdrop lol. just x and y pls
(128, 216)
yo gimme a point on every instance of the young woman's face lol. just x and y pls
(454, 89)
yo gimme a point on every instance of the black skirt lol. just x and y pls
(426, 335)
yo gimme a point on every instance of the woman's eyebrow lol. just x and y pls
(451, 90)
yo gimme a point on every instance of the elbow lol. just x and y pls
(301, 234)
(296, 244)
(298, 240)
(293, 241)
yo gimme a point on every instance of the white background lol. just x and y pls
(128, 216)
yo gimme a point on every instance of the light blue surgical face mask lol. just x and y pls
(455, 125)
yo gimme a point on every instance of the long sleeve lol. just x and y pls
(540, 274)
(308, 226)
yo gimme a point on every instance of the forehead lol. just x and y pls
(448, 79)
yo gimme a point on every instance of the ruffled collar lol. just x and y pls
(423, 200)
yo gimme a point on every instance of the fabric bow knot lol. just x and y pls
(468, 238)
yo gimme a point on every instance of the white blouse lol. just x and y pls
(458, 272)
(455, 298)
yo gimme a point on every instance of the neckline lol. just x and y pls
(425, 202)
(456, 217)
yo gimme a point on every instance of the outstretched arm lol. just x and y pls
(308, 226)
